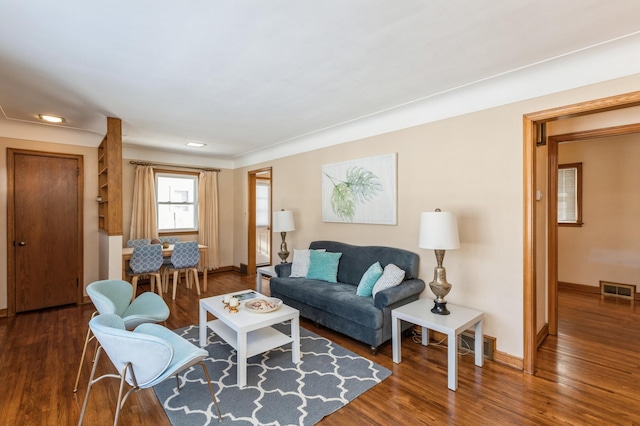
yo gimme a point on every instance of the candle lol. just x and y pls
(234, 302)
(227, 297)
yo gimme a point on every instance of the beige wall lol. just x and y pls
(90, 160)
(607, 247)
(471, 165)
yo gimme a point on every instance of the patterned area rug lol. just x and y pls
(278, 392)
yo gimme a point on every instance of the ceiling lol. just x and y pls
(246, 76)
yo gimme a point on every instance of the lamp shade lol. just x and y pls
(438, 231)
(283, 221)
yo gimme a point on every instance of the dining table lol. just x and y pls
(127, 252)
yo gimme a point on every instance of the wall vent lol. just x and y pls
(624, 291)
(467, 340)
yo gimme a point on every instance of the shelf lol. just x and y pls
(110, 179)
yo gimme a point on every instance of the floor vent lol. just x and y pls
(244, 269)
(624, 291)
(467, 339)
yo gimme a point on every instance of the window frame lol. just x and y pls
(578, 201)
(183, 175)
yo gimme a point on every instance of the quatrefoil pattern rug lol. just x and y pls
(278, 392)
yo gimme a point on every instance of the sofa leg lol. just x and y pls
(374, 350)
(317, 324)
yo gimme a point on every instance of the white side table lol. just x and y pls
(269, 271)
(460, 319)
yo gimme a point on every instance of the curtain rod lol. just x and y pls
(143, 163)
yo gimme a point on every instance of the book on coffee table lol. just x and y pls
(246, 296)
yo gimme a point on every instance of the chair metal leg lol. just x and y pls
(121, 399)
(87, 339)
(213, 394)
(91, 383)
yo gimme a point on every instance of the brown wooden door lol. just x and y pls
(45, 238)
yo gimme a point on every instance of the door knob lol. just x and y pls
(22, 243)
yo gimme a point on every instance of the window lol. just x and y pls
(177, 198)
(262, 204)
(570, 194)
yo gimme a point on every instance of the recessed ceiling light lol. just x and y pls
(196, 144)
(51, 118)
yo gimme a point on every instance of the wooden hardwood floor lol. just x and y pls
(587, 375)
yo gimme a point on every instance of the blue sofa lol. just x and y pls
(336, 305)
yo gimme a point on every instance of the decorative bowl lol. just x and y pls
(263, 305)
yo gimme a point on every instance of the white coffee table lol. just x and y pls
(460, 319)
(249, 333)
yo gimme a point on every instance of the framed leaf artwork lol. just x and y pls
(360, 191)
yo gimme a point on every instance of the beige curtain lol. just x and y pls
(144, 219)
(208, 216)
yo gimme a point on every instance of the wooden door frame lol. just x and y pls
(530, 124)
(11, 261)
(251, 231)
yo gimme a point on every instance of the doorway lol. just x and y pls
(44, 230)
(531, 261)
(553, 142)
(259, 223)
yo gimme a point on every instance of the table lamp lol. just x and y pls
(283, 223)
(439, 231)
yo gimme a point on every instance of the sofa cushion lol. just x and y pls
(323, 266)
(338, 299)
(300, 264)
(369, 279)
(391, 277)
(356, 260)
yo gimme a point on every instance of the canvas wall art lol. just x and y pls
(360, 191)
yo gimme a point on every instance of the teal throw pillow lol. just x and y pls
(369, 279)
(323, 266)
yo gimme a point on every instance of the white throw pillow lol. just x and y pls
(300, 265)
(391, 277)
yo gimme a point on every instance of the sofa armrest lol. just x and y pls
(398, 293)
(283, 269)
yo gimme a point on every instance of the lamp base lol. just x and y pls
(440, 308)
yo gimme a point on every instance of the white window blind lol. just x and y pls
(568, 195)
(262, 204)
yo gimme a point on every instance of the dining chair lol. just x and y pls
(146, 260)
(167, 260)
(130, 353)
(185, 257)
(114, 297)
(138, 243)
(170, 240)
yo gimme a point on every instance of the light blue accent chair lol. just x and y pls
(144, 357)
(114, 297)
(138, 243)
(146, 260)
(185, 257)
